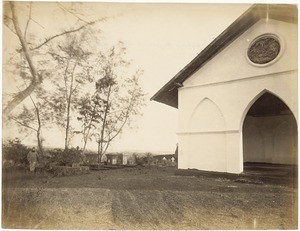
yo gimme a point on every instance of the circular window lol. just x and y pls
(264, 49)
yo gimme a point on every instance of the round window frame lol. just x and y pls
(277, 37)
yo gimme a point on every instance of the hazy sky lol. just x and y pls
(160, 39)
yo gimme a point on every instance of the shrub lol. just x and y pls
(142, 159)
(65, 157)
(15, 151)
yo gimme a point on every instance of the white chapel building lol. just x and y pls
(238, 99)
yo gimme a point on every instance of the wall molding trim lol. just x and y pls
(207, 132)
(238, 80)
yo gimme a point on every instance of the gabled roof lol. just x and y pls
(168, 94)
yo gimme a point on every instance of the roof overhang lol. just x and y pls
(168, 94)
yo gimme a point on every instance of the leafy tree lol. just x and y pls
(90, 110)
(72, 73)
(116, 100)
(16, 151)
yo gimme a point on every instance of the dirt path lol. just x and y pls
(94, 208)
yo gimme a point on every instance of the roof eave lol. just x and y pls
(168, 94)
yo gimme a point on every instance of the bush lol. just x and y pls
(65, 158)
(142, 159)
(16, 152)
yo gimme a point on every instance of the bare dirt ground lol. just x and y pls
(142, 198)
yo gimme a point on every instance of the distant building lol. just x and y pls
(111, 159)
(238, 99)
(119, 159)
(91, 158)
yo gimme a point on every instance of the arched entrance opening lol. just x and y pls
(270, 133)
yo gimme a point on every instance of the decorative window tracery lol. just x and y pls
(264, 49)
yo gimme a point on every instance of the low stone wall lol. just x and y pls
(69, 171)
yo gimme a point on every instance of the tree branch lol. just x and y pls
(24, 125)
(106, 147)
(37, 23)
(19, 98)
(6, 23)
(7, 17)
(63, 33)
(65, 9)
(120, 129)
(119, 117)
(34, 104)
(28, 21)
(23, 43)
(65, 78)
(36, 78)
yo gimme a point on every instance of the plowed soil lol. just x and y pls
(142, 198)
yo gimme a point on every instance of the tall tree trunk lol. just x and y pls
(40, 146)
(67, 130)
(85, 140)
(68, 120)
(104, 121)
(69, 100)
(86, 137)
(36, 79)
(38, 133)
(99, 153)
(84, 146)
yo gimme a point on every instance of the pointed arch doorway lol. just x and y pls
(270, 133)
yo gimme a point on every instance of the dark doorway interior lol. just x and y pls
(270, 133)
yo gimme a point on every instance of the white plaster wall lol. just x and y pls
(203, 115)
(215, 100)
(232, 62)
(233, 99)
(212, 146)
